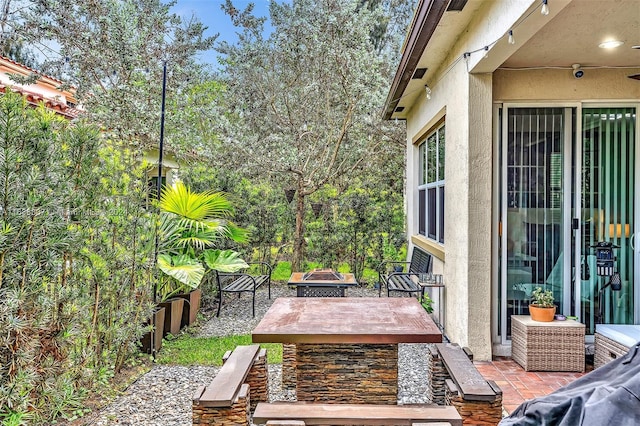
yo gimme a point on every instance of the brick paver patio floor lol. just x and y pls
(518, 385)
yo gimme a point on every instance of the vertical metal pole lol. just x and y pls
(158, 189)
(160, 153)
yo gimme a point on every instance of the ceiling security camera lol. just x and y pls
(577, 71)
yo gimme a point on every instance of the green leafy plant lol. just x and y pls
(191, 225)
(184, 270)
(541, 298)
(427, 304)
(13, 418)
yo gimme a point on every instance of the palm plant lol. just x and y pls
(191, 224)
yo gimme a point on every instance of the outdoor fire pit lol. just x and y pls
(321, 283)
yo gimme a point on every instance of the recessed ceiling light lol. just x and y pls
(611, 44)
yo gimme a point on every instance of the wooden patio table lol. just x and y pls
(346, 349)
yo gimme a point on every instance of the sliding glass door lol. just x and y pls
(607, 194)
(533, 206)
(567, 181)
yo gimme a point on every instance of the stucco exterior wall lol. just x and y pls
(602, 84)
(465, 101)
(45, 87)
(170, 166)
(479, 214)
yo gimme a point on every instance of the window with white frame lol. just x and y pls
(431, 186)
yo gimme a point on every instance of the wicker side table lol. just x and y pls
(547, 346)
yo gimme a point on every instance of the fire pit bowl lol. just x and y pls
(321, 283)
(323, 275)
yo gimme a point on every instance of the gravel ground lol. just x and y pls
(162, 397)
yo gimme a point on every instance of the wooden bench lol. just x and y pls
(354, 414)
(456, 381)
(239, 385)
(421, 263)
(243, 283)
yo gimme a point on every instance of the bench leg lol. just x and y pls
(475, 412)
(237, 414)
(254, 303)
(258, 380)
(220, 294)
(438, 375)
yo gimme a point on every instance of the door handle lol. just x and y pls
(633, 236)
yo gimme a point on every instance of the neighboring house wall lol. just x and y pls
(44, 90)
(170, 166)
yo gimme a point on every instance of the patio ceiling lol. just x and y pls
(573, 36)
(570, 34)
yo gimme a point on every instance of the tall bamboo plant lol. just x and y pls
(191, 225)
(42, 308)
(76, 251)
(118, 261)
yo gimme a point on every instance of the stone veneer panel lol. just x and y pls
(289, 366)
(436, 375)
(258, 379)
(236, 415)
(347, 373)
(482, 413)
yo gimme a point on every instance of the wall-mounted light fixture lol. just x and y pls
(545, 8)
(511, 39)
(427, 90)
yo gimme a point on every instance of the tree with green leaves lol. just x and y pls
(35, 286)
(307, 99)
(112, 51)
(12, 41)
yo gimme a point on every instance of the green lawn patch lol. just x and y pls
(188, 350)
(281, 272)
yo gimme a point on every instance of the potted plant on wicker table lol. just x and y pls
(541, 307)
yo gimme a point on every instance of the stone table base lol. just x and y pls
(347, 373)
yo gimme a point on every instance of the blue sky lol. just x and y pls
(210, 14)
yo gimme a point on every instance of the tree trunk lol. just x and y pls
(298, 237)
